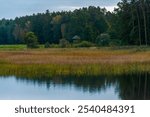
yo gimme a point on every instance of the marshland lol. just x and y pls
(94, 73)
(77, 51)
(74, 61)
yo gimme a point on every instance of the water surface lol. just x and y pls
(69, 88)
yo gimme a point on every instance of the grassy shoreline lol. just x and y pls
(73, 62)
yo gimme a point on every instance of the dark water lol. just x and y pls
(128, 87)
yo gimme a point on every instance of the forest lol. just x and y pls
(126, 25)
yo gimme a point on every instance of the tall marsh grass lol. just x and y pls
(73, 62)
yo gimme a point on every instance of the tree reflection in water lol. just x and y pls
(128, 87)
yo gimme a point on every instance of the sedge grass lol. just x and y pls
(73, 62)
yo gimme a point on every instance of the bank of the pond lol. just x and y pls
(73, 62)
(72, 70)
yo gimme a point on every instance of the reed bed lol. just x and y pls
(73, 62)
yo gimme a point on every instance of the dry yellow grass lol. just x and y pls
(74, 61)
(74, 56)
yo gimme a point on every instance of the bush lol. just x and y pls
(31, 40)
(76, 39)
(54, 46)
(103, 39)
(83, 44)
(47, 45)
(63, 43)
(115, 43)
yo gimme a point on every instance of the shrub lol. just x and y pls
(115, 43)
(31, 40)
(76, 39)
(83, 44)
(103, 39)
(47, 45)
(54, 46)
(63, 43)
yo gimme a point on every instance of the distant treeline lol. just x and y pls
(129, 24)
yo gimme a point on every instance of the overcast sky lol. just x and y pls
(12, 8)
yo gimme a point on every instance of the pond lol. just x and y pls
(125, 87)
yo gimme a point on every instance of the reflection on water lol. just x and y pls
(128, 87)
(134, 87)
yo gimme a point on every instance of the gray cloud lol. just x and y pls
(13, 8)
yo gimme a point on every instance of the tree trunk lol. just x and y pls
(139, 26)
(145, 21)
(148, 19)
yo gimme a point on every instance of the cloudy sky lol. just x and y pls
(12, 8)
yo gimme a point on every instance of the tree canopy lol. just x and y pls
(127, 25)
